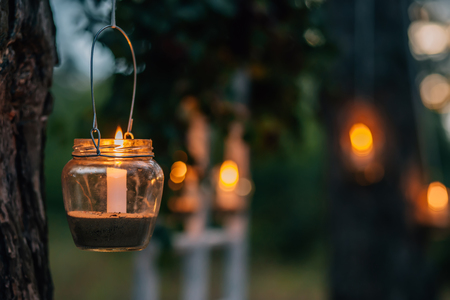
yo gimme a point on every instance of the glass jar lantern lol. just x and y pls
(112, 188)
(112, 200)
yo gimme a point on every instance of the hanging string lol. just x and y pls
(130, 119)
(113, 14)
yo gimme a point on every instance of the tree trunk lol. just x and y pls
(28, 55)
(378, 252)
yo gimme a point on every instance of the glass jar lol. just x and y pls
(112, 202)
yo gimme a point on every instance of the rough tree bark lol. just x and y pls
(27, 57)
(377, 250)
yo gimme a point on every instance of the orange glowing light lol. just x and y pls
(119, 134)
(229, 175)
(118, 138)
(437, 196)
(361, 139)
(179, 169)
(178, 172)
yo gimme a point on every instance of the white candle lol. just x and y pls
(116, 185)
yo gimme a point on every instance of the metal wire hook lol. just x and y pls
(97, 145)
(130, 119)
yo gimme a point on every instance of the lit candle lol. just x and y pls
(116, 183)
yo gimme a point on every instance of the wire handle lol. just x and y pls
(130, 119)
(95, 129)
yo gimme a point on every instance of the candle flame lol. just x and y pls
(119, 134)
(118, 139)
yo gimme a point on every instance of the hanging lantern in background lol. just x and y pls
(362, 143)
(232, 190)
(228, 176)
(189, 200)
(233, 183)
(226, 197)
(112, 188)
(429, 202)
(432, 207)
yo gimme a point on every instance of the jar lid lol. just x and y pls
(113, 148)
